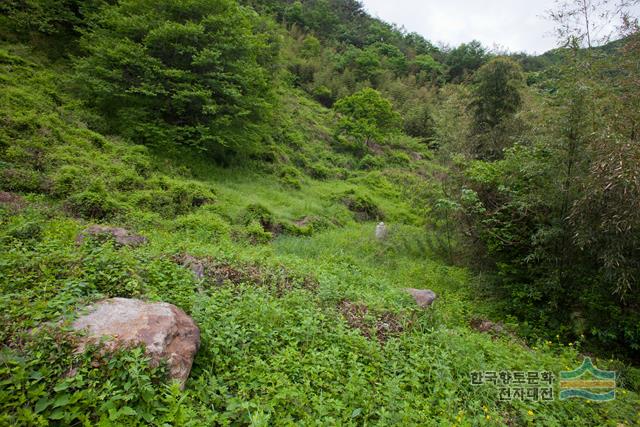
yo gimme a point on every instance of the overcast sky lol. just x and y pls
(517, 25)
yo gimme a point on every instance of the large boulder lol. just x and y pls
(166, 331)
(121, 236)
(424, 297)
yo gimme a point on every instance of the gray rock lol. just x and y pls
(424, 297)
(192, 263)
(381, 231)
(121, 236)
(166, 331)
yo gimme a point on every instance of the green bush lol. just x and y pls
(370, 161)
(115, 389)
(174, 197)
(399, 158)
(291, 177)
(68, 180)
(23, 180)
(361, 205)
(256, 212)
(323, 95)
(320, 171)
(209, 225)
(196, 74)
(92, 205)
(256, 233)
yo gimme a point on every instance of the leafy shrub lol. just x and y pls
(117, 388)
(361, 205)
(195, 74)
(23, 180)
(400, 158)
(256, 233)
(323, 95)
(290, 177)
(68, 180)
(208, 224)
(92, 204)
(320, 171)
(370, 161)
(174, 197)
(256, 212)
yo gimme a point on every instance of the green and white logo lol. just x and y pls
(588, 382)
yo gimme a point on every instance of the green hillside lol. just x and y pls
(267, 140)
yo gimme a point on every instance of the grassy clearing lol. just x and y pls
(302, 324)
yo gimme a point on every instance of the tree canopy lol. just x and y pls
(367, 115)
(195, 72)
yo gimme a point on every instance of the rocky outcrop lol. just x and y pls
(167, 333)
(121, 236)
(424, 297)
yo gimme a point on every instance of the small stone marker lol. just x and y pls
(381, 231)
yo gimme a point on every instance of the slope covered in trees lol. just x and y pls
(266, 139)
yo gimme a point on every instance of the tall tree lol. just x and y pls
(496, 99)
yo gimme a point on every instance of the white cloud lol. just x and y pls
(517, 25)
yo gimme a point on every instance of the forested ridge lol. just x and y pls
(253, 150)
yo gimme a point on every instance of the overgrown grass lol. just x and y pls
(309, 326)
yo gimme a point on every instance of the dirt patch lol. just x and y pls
(487, 326)
(379, 326)
(218, 273)
(120, 236)
(304, 221)
(375, 148)
(14, 202)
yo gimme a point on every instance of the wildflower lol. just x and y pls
(488, 417)
(530, 413)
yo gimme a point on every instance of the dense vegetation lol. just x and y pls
(267, 138)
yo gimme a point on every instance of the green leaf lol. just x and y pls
(58, 414)
(61, 401)
(42, 404)
(61, 386)
(129, 411)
